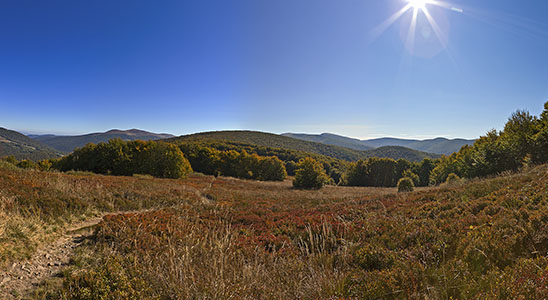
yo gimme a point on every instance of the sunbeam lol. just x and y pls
(417, 8)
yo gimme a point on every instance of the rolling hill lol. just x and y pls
(23, 147)
(67, 144)
(437, 145)
(280, 141)
(331, 139)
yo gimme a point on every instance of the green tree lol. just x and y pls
(409, 174)
(540, 152)
(310, 174)
(270, 169)
(425, 167)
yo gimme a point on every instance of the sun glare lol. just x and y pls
(418, 4)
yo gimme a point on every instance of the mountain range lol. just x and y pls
(38, 147)
(437, 145)
(23, 147)
(280, 141)
(67, 143)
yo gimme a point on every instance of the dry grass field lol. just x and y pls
(223, 238)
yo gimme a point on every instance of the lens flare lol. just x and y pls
(418, 4)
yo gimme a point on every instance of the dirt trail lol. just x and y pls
(48, 261)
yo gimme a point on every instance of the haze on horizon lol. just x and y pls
(306, 66)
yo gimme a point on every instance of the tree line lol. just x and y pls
(117, 157)
(522, 142)
(386, 172)
(241, 164)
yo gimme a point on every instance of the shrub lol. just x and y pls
(310, 174)
(27, 164)
(405, 184)
(373, 258)
(452, 179)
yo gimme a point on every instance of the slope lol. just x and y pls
(23, 147)
(280, 141)
(67, 144)
(437, 145)
(331, 139)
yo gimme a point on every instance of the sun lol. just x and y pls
(418, 4)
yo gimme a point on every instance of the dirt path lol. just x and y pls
(45, 263)
(48, 261)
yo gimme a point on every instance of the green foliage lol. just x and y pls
(372, 258)
(310, 174)
(523, 141)
(127, 158)
(384, 172)
(373, 172)
(405, 184)
(10, 159)
(211, 161)
(269, 140)
(213, 158)
(27, 164)
(423, 170)
(414, 177)
(109, 280)
(452, 179)
(21, 146)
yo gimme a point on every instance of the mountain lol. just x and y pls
(67, 144)
(437, 145)
(286, 142)
(23, 147)
(331, 139)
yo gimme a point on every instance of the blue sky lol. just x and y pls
(271, 65)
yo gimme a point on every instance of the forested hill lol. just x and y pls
(23, 147)
(67, 144)
(279, 141)
(438, 145)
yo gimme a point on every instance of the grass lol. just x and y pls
(36, 206)
(479, 239)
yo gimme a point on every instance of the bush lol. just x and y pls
(373, 258)
(452, 179)
(310, 174)
(405, 184)
(27, 164)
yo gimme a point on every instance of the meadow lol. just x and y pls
(227, 238)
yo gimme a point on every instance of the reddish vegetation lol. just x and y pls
(242, 239)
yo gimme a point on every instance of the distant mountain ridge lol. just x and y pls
(280, 141)
(23, 147)
(67, 144)
(438, 145)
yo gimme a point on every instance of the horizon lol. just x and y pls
(453, 69)
(420, 138)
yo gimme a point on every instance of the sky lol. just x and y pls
(308, 66)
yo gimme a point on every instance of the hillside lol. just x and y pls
(23, 147)
(67, 144)
(331, 139)
(280, 141)
(437, 145)
(462, 241)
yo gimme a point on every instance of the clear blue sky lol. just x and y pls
(271, 65)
